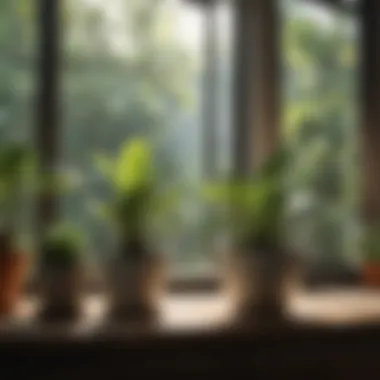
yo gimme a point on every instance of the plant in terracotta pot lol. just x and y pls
(16, 171)
(251, 211)
(61, 273)
(138, 200)
(371, 251)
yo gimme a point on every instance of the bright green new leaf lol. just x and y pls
(134, 166)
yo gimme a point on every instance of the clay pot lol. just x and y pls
(371, 274)
(12, 272)
(135, 287)
(258, 285)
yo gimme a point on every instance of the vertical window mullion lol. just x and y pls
(257, 82)
(47, 125)
(210, 90)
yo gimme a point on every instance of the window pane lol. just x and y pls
(17, 90)
(135, 68)
(320, 126)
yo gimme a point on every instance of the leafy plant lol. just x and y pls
(371, 244)
(21, 178)
(17, 172)
(62, 247)
(251, 209)
(139, 196)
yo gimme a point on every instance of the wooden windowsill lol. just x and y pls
(333, 333)
(196, 314)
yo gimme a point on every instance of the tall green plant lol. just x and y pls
(370, 243)
(251, 209)
(138, 195)
(17, 178)
(21, 179)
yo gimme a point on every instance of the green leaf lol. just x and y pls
(134, 166)
(371, 243)
(255, 205)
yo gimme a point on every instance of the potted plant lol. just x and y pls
(252, 211)
(61, 273)
(371, 251)
(15, 172)
(138, 195)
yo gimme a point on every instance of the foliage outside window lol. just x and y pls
(320, 127)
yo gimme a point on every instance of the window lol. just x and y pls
(165, 72)
(321, 126)
(17, 90)
(143, 68)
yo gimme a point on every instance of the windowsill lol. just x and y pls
(332, 332)
(197, 313)
(207, 279)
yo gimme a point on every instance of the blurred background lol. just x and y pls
(163, 69)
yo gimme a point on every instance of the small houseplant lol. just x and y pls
(371, 251)
(137, 196)
(16, 171)
(252, 211)
(61, 272)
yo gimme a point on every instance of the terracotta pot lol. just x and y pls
(61, 293)
(12, 272)
(258, 286)
(371, 274)
(135, 287)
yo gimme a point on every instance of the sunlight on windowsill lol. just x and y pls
(198, 311)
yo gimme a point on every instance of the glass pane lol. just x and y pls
(137, 68)
(320, 125)
(17, 90)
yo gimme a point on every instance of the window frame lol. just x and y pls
(250, 93)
